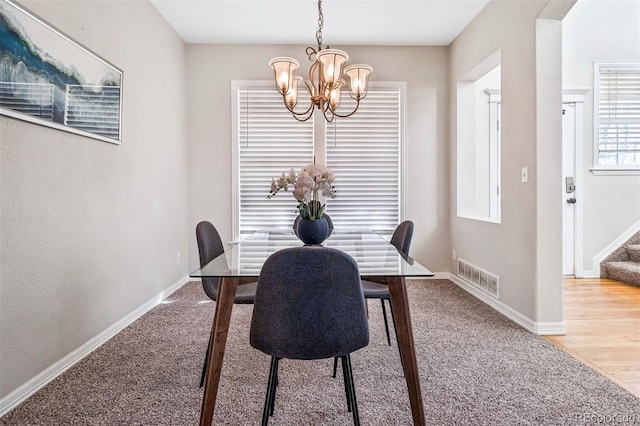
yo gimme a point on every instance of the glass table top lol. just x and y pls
(375, 255)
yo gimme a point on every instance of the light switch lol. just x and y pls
(524, 175)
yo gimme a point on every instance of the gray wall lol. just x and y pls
(86, 227)
(211, 69)
(607, 31)
(511, 249)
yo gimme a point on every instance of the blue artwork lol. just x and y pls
(47, 78)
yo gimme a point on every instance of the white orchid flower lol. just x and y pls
(291, 177)
(309, 168)
(311, 180)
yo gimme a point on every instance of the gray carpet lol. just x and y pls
(477, 368)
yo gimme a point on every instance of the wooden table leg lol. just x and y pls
(400, 302)
(219, 332)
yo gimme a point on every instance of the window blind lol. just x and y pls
(269, 142)
(618, 115)
(364, 152)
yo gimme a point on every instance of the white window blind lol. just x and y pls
(364, 152)
(618, 115)
(269, 142)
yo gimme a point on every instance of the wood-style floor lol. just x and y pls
(602, 319)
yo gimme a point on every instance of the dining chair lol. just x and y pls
(209, 247)
(309, 305)
(376, 287)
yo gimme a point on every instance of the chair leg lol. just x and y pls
(335, 366)
(275, 386)
(393, 318)
(386, 322)
(352, 389)
(347, 386)
(271, 391)
(206, 363)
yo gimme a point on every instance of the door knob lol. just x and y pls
(571, 200)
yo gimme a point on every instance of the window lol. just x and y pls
(478, 142)
(364, 151)
(617, 116)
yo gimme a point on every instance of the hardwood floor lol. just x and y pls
(602, 319)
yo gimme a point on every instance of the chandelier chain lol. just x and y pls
(320, 24)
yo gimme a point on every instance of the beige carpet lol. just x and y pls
(477, 368)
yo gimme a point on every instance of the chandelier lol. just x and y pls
(325, 81)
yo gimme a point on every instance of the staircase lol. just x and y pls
(624, 263)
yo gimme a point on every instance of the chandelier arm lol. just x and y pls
(311, 53)
(311, 84)
(331, 118)
(308, 113)
(350, 114)
(297, 116)
(309, 88)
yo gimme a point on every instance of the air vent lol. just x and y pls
(479, 278)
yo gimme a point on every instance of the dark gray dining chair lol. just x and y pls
(309, 305)
(376, 287)
(210, 246)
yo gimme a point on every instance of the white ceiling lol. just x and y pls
(356, 22)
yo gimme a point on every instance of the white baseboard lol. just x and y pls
(589, 274)
(436, 276)
(540, 328)
(13, 399)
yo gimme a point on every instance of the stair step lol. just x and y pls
(623, 271)
(633, 252)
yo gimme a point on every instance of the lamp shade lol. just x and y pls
(358, 79)
(334, 95)
(291, 98)
(331, 62)
(284, 68)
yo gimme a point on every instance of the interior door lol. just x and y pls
(568, 187)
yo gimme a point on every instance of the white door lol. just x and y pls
(568, 187)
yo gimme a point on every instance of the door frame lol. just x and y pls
(569, 168)
(577, 96)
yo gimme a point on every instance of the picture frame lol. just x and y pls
(49, 79)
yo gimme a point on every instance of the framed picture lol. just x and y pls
(49, 79)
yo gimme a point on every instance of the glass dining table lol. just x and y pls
(375, 257)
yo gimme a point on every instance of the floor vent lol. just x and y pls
(482, 279)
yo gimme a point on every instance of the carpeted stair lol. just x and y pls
(624, 263)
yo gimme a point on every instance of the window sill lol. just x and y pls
(600, 171)
(480, 218)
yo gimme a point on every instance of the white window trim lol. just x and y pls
(495, 132)
(319, 131)
(403, 147)
(600, 171)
